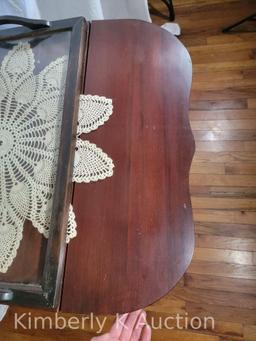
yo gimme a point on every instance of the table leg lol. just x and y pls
(249, 18)
(169, 5)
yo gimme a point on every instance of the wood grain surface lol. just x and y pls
(135, 229)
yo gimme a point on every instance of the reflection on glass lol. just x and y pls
(32, 86)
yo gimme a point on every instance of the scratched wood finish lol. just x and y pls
(225, 228)
(136, 235)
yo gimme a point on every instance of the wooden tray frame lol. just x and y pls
(48, 292)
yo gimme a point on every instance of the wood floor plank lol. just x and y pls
(247, 204)
(252, 103)
(227, 243)
(220, 75)
(230, 338)
(47, 335)
(228, 230)
(227, 95)
(175, 335)
(221, 298)
(169, 304)
(240, 168)
(224, 125)
(222, 146)
(222, 180)
(230, 314)
(249, 74)
(208, 168)
(219, 105)
(234, 65)
(192, 40)
(225, 85)
(236, 217)
(218, 47)
(6, 335)
(226, 256)
(225, 157)
(227, 39)
(224, 192)
(227, 329)
(212, 115)
(250, 146)
(218, 56)
(224, 135)
(250, 332)
(225, 270)
(220, 283)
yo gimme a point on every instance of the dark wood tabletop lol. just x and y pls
(135, 230)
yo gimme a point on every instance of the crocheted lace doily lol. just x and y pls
(31, 107)
(91, 163)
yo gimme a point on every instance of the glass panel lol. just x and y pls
(32, 86)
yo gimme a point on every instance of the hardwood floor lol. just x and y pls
(221, 281)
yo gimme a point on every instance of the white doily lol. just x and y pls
(71, 230)
(91, 163)
(31, 107)
(30, 119)
(94, 111)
